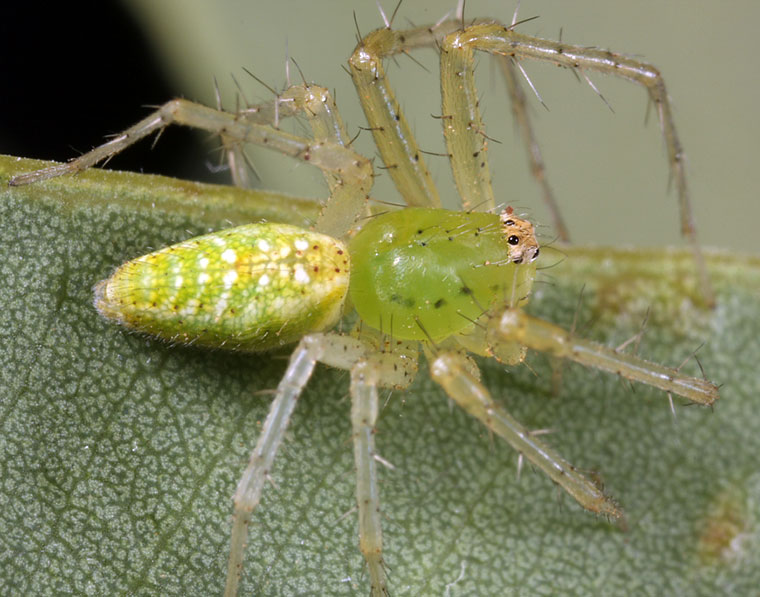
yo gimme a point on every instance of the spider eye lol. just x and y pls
(518, 260)
(509, 223)
(513, 240)
(535, 255)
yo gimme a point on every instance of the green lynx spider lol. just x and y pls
(263, 285)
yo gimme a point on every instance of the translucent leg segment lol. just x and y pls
(346, 202)
(393, 137)
(396, 369)
(351, 172)
(516, 326)
(364, 409)
(249, 489)
(463, 127)
(535, 159)
(449, 370)
(504, 41)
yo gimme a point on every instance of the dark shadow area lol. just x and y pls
(74, 73)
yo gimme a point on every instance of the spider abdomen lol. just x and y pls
(423, 273)
(252, 287)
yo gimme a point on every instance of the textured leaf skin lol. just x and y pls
(119, 454)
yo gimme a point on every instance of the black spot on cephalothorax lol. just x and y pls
(466, 290)
(439, 303)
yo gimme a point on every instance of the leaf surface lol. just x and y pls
(119, 454)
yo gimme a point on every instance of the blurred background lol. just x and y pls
(74, 72)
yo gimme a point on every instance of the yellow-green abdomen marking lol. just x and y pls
(252, 287)
(436, 269)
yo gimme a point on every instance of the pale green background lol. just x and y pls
(607, 169)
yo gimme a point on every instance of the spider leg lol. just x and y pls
(396, 143)
(535, 159)
(249, 489)
(364, 410)
(368, 367)
(463, 127)
(388, 364)
(316, 103)
(450, 371)
(457, 60)
(393, 137)
(351, 173)
(514, 325)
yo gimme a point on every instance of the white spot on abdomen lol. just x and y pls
(229, 278)
(300, 275)
(229, 256)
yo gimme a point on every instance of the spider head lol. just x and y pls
(523, 246)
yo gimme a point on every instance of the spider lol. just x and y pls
(452, 283)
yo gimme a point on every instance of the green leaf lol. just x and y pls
(119, 454)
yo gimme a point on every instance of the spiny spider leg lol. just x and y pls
(514, 325)
(537, 168)
(349, 174)
(463, 127)
(450, 371)
(248, 493)
(367, 366)
(390, 129)
(511, 329)
(364, 410)
(501, 40)
(395, 141)
(317, 104)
